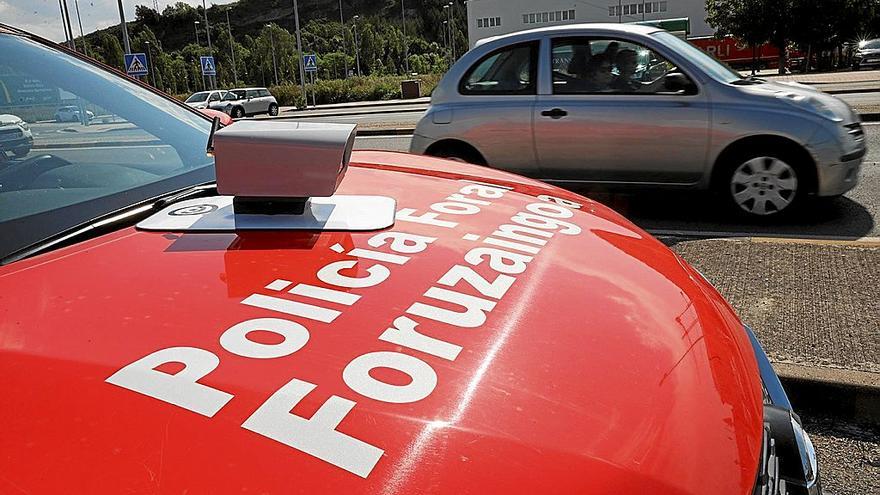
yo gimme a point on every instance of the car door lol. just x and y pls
(265, 99)
(613, 114)
(213, 99)
(494, 110)
(252, 102)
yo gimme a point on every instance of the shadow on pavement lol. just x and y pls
(703, 215)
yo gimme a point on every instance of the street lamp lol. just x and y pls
(208, 35)
(199, 44)
(301, 65)
(123, 28)
(357, 49)
(345, 57)
(81, 33)
(231, 47)
(272, 42)
(405, 44)
(449, 8)
(446, 41)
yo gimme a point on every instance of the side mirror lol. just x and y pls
(676, 82)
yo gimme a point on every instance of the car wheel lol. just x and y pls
(763, 185)
(20, 152)
(273, 109)
(237, 112)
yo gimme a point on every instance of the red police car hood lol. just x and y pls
(587, 359)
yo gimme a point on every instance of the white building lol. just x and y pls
(494, 17)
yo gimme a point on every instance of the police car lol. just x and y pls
(258, 308)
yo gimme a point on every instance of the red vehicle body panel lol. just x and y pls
(736, 54)
(609, 366)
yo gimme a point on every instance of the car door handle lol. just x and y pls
(556, 113)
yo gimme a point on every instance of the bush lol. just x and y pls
(369, 88)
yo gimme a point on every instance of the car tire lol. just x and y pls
(273, 109)
(459, 152)
(237, 112)
(763, 184)
(21, 152)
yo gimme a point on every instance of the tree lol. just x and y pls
(110, 50)
(750, 21)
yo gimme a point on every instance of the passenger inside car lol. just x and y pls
(598, 74)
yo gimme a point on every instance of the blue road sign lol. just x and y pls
(136, 64)
(310, 62)
(208, 67)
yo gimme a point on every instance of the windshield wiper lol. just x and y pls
(749, 80)
(110, 222)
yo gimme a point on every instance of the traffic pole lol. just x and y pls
(302, 76)
(125, 40)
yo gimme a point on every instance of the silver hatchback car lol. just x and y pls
(619, 104)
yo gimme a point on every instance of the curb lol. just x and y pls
(853, 395)
(848, 91)
(377, 103)
(344, 114)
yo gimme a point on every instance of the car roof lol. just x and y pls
(245, 89)
(566, 28)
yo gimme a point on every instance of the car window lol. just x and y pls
(709, 65)
(57, 173)
(588, 65)
(263, 92)
(214, 97)
(511, 70)
(871, 45)
(239, 93)
(197, 98)
(230, 96)
(251, 93)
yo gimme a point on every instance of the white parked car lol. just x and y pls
(15, 135)
(206, 99)
(242, 102)
(71, 113)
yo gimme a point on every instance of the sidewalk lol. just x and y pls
(815, 307)
(814, 304)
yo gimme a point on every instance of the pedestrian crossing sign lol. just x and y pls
(136, 64)
(310, 62)
(208, 67)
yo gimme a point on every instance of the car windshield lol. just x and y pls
(58, 172)
(711, 67)
(231, 96)
(198, 97)
(871, 45)
(240, 93)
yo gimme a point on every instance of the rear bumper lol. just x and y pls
(788, 457)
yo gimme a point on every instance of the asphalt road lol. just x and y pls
(849, 455)
(855, 215)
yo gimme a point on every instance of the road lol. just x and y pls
(855, 215)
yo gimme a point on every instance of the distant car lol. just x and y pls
(867, 55)
(15, 135)
(206, 99)
(631, 105)
(71, 113)
(225, 119)
(243, 102)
